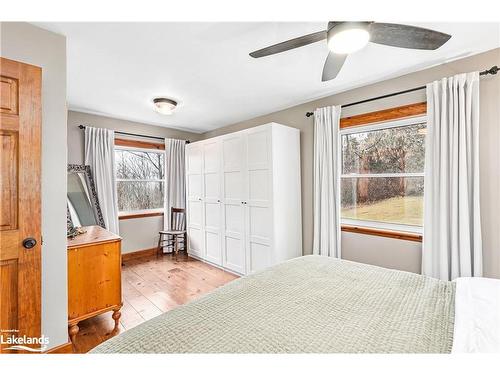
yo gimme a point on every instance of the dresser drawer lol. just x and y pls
(94, 278)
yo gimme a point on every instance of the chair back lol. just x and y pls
(177, 219)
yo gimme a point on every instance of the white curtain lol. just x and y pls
(452, 245)
(175, 178)
(100, 155)
(326, 182)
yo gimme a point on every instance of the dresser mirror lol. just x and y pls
(82, 204)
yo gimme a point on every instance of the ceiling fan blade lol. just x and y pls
(290, 44)
(331, 24)
(405, 36)
(333, 64)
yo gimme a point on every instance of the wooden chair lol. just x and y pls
(171, 239)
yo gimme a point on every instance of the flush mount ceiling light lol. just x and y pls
(164, 106)
(348, 37)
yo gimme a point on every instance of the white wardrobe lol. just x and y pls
(244, 198)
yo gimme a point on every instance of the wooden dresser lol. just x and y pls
(94, 276)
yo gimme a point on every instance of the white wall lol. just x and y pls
(26, 43)
(76, 135)
(140, 234)
(382, 251)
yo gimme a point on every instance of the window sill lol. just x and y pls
(138, 215)
(406, 236)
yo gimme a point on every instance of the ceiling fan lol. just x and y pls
(344, 38)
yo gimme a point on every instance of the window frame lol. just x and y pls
(384, 229)
(140, 146)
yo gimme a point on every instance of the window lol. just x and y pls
(140, 179)
(382, 176)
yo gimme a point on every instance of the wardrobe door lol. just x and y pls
(211, 200)
(194, 212)
(233, 209)
(258, 204)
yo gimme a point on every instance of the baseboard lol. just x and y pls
(61, 349)
(139, 254)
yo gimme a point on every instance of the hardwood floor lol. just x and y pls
(151, 287)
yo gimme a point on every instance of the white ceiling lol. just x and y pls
(115, 69)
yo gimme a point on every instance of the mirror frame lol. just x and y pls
(78, 168)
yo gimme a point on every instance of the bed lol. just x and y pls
(310, 304)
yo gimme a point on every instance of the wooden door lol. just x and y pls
(194, 212)
(211, 201)
(233, 202)
(258, 206)
(20, 145)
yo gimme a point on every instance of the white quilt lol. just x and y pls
(477, 315)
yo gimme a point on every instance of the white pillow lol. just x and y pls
(477, 315)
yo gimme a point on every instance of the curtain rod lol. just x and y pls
(493, 70)
(134, 134)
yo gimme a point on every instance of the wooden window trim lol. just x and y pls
(405, 111)
(139, 144)
(139, 215)
(406, 236)
(144, 145)
(410, 110)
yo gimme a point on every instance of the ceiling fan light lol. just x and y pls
(164, 106)
(349, 39)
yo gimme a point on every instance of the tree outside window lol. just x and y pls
(382, 177)
(140, 177)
